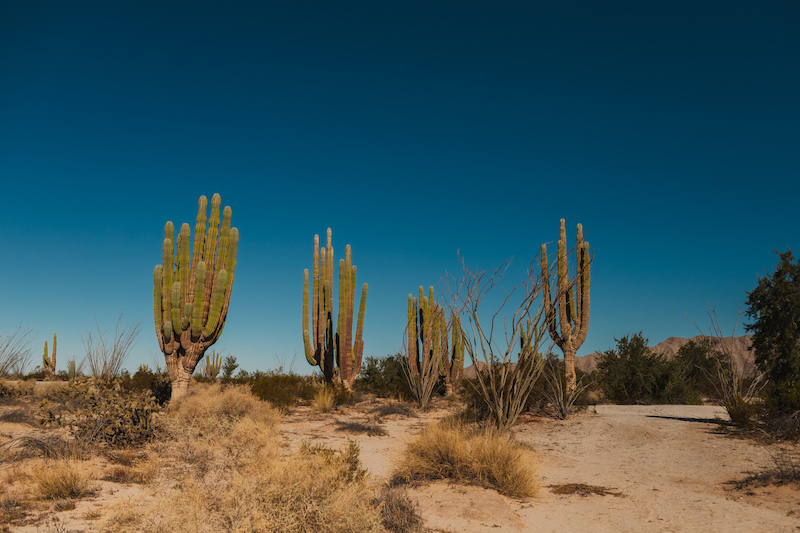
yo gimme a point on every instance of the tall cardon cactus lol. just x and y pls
(337, 355)
(49, 363)
(567, 310)
(429, 353)
(192, 290)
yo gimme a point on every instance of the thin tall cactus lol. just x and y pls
(213, 365)
(429, 354)
(192, 290)
(567, 311)
(338, 356)
(49, 363)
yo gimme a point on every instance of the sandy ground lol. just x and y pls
(668, 468)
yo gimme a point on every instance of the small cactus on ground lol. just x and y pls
(338, 356)
(71, 371)
(49, 362)
(567, 310)
(192, 290)
(213, 364)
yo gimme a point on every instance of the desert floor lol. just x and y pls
(664, 468)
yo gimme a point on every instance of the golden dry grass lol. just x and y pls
(54, 480)
(324, 400)
(470, 455)
(224, 470)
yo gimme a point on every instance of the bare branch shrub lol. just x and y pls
(503, 383)
(105, 356)
(421, 383)
(737, 383)
(15, 351)
(561, 399)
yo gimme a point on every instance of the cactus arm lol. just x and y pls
(358, 348)
(209, 255)
(176, 308)
(197, 306)
(563, 285)
(412, 335)
(217, 300)
(585, 275)
(306, 337)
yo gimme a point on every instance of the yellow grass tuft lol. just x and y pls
(324, 400)
(470, 456)
(54, 480)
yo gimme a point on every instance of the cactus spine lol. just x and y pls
(49, 363)
(567, 311)
(213, 364)
(428, 346)
(192, 290)
(338, 356)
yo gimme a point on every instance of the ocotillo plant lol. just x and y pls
(567, 311)
(428, 354)
(192, 290)
(49, 363)
(338, 356)
(213, 364)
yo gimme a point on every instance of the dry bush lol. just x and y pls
(482, 456)
(785, 470)
(58, 480)
(44, 446)
(324, 400)
(399, 513)
(227, 473)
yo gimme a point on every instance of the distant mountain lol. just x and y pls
(668, 348)
(739, 347)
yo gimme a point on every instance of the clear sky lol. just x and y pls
(670, 130)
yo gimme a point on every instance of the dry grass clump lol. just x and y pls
(470, 455)
(582, 489)
(61, 480)
(223, 470)
(324, 400)
(785, 470)
(398, 512)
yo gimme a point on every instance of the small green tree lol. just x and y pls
(774, 306)
(228, 368)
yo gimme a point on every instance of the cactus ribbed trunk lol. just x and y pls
(338, 355)
(192, 290)
(567, 311)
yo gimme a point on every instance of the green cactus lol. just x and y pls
(338, 356)
(428, 346)
(49, 363)
(567, 311)
(213, 364)
(192, 290)
(71, 371)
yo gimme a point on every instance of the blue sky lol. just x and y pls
(670, 130)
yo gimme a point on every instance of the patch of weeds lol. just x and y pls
(393, 408)
(63, 505)
(360, 428)
(62, 480)
(47, 447)
(12, 508)
(398, 512)
(582, 489)
(347, 461)
(92, 515)
(19, 416)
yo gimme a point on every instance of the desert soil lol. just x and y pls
(666, 469)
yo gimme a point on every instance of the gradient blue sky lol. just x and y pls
(671, 130)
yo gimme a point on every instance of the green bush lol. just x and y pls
(384, 378)
(634, 374)
(283, 390)
(698, 362)
(146, 380)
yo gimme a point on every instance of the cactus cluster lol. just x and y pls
(49, 362)
(213, 364)
(428, 343)
(192, 290)
(337, 355)
(567, 310)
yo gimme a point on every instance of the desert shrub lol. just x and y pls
(698, 362)
(37, 374)
(284, 389)
(101, 411)
(8, 393)
(384, 378)
(146, 380)
(633, 373)
(468, 455)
